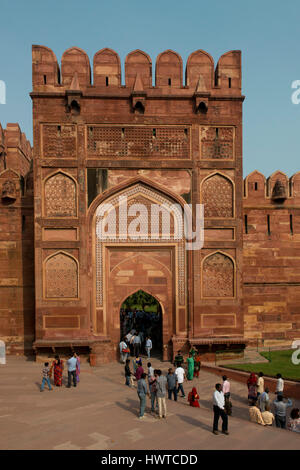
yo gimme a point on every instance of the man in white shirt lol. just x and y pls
(123, 347)
(218, 407)
(279, 385)
(148, 346)
(180, 374)
(137, 345)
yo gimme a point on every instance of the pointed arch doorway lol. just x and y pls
(141, 313)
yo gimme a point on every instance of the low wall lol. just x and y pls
(291, 389)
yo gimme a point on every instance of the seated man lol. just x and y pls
(267, 416)
(255, 414)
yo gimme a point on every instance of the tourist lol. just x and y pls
(123, 350)
(137, 345)
(153, 392)
(148, 346)
(172, 384)
(197, 365)
(280, 408)
(161, 383)
(180, 375)
(279, 385)
(77, 368)
(226, 391)
(45, 375)
(255, 413)
(260, 384)
(294, 420)
(128, 339)
(193, 398)
(264, 400)
(178, 359)
(150, 370)
(136, 362)
(139, 371)
(72, 363)
(267, 416)
(218, 407)
(128, 374)
(252, 387)
(142, 393)
(193, 352)
(190, 364)
(57, 367)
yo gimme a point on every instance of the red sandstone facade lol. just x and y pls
(175, 142)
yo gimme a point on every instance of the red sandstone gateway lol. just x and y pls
(172, 143)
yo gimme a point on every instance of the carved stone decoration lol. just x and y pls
(217, 143)
(60, 196)
(217, 196)
(61, 277)
(141, 194)
(279, 192)
(8, 192)
(218, 276)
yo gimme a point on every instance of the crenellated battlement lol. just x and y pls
(201, 76)
(15, 149)
(276, 189)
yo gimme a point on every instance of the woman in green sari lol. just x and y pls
(190, 364)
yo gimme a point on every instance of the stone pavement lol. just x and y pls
(102, 413)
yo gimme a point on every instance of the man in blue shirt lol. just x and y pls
(71, 363)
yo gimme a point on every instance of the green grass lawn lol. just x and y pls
(279, 362)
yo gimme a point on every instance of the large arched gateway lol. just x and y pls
(146, 250)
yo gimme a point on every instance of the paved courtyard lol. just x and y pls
(102, 413)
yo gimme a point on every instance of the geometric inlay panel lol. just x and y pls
(61, 277)
(60, 196)
(217, 143)
(218, 276)
(59, 141)
(139, 141)
(217, 197)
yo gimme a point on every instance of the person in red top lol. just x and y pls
(193, 398)
(252, 387)
(139, 371)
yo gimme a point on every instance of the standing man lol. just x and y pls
(148, 346)
(172, 384)
(218, 407)
(178, 359)
(280, 411)
(279, 385)
(142, 394)
(226, 391)
(161, 383)
(180, 376)
(264, 400)
(260, 384)
(71, 363)
(123, 351)
(137, 345)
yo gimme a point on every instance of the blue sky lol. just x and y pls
(268, 33)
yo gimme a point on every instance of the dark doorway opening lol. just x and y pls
(141, 314)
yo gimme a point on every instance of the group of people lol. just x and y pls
(133, 343)
(146, 323)
(260, 404)
(157, 386)
(57, 368)
(153, 384)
